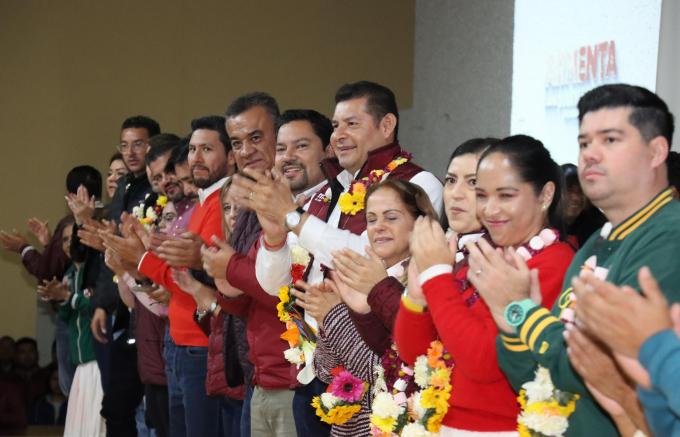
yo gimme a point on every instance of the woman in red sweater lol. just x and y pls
(518, 193)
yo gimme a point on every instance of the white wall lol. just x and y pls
(462, 78)
(668, 71)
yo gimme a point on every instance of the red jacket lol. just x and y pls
(272, 370)
(206, 221)
(481, 398)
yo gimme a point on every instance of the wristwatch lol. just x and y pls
(293, 218)
(210, 310)
(516, 312)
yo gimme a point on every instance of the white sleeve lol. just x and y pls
(321, 239)
(432, 186)
(272, 268)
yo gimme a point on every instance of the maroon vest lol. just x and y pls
(377, 160)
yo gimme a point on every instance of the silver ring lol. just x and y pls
(478, 272)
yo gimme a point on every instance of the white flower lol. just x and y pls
(138, 211)
(415, 430)
(299, 255)
(328, 400)
(379, 385)
(541, 388)
(151, 213)
(294, 355)
(536, 243)
(549, 425)
(385, 406)
(400, 384)
(421, 371)
(414, 406)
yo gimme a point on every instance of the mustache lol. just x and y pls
(195, 166)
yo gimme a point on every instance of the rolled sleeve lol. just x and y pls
(322, 239)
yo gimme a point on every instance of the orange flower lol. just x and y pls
(434, 354)
(292, 334)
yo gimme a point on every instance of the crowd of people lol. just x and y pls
(286, 274)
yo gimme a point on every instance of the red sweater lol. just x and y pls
(481, 399)
(206, 221)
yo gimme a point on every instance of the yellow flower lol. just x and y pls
(435, 422)
(396, 163)
(437, 399)
(440, 378)
(281, 312)
(161, 201)
(284, 295)
(384, 424)
(352, 203)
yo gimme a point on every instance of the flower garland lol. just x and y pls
(399, 408)
(545, 410)
(300, 336)
(536, 244)
(342, 399)
(152, 214)
(352, 201)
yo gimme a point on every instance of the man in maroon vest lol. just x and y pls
(365, 143)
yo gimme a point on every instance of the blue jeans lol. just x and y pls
(307, 422)
(66, 367)
(245, 412)
(230, 413)
(192, 412)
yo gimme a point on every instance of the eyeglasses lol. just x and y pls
(137, 146)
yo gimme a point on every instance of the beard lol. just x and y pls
(300, 181)
(206, 181)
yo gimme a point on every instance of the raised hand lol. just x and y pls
(316, 300)
(360, 273)
(355, 300)
(428, 244)
(12, 241)
(184, 251)
(216, 259)
(40, 230)
(81, 205)
(620, 316)
(53, 290)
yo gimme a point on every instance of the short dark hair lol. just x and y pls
(26, 340)
(179, 155)
(532, 161)
(476, 146)
(87, 176)
(380, 99)
(650, 114)
(142, 122)
(323, 128)
(247, 101)
(570, 173)
(160, 145)
(116, 157)
(215, 123)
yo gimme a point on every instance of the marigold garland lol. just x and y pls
(352, 201)
(545, 409)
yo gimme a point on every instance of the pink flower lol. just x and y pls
(347, 387)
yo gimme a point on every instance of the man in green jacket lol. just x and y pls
(624, 138)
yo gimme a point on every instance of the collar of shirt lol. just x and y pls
(205, 193)
(308, 193)
(398, 270)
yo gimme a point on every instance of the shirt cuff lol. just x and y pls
(26, 249)
(311, 230)
(435, 270)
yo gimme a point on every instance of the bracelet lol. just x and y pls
(412, 306)
(275, 247)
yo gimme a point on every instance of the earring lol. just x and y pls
(545, 207)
